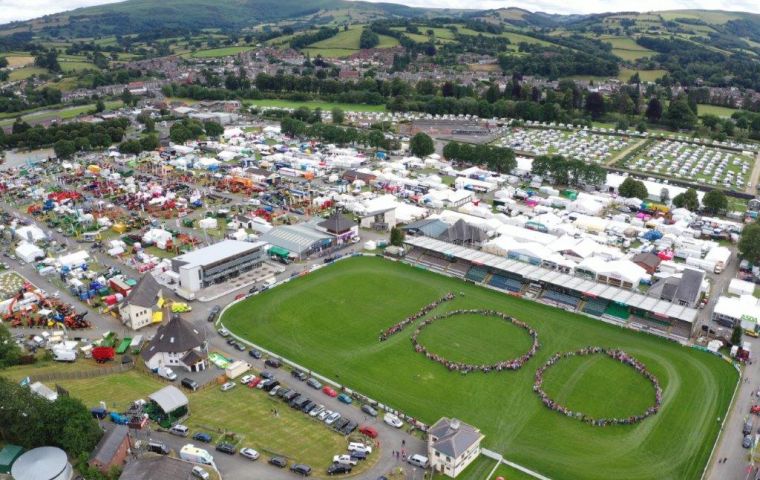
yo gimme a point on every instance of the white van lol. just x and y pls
(179, 430)
(418, 460)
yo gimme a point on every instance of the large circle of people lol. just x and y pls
(511, 364)
(412, 318)
(618, 355)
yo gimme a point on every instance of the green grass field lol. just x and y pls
(219, 52)
(63, 113)
(348, 107)
(345, 43)
(26, 72)
(329, 321)
(704, 109)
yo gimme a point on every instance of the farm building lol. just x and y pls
(176, 344)
(452, 446)
(138, 307)
(112, 449)
(216, 263)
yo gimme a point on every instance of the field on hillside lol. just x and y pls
(219, 52)
(345, 43)
(329, 321)
(715, 110)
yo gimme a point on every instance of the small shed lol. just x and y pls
(8, 455)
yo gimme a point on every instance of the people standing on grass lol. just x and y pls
(410, 319)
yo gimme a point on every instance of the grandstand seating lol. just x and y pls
(459, 268)
(432, 261)
(504, 283)
(617, 311)
(563, 298)
(477, 274)
(595, 306)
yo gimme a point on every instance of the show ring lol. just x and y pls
(618, 355)
(509, 364)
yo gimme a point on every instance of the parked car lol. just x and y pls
(359, 455)
(332, 418)
(314, 383)
(278, 462)
(344, 459)
(228, 386)
(255, 353)
(247, 379)
(190, 384)
(301, 469)
(249, 453)
(158, 447)
(754, 409)
(213, 313)
(359, 447)
(418, 460)
(239, 346)
(202, 437)
(747, 429)
(226, 448)
(266, 374)
(224, 332)
(199, 472)
(255, 382)
(747, 442)
(273, 362)
(368, 431)
(327, 390)
(392, 420)
(231, 341)
(274, 391)
(324, 414)
(337, 469)
(299, 375)
(179, 430)
(270, 385)
(317, 410)
(345, 398)
(369, 410)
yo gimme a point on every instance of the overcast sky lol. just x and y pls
(24, 9)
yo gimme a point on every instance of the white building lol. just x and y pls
(452, 446)
(216, 263)
(743, 310)
(137, 309)
(176, 344)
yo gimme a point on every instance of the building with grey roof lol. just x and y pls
(136, 310)
(176, 344)
(169, 399)
(217, 263)
(112, 449)
(452, 446)
(682, 290)
(301, 240)
(150, 467)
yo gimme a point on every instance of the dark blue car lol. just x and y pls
(202, 437)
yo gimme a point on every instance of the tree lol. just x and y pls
(368, 39)
(150, 125)
(64, 148)
(736, 335)
(595, 104)
(451, 151)
(397, 236)
(130, 147)
(337, 116)
(3, 62)
(654, 110)
(213, 129)
(421, 145)
(680, 116)
(149, 142)
(749, 244)
(10, 353)
(632, 188)
(179, 134)
(687, 200)
(715, 201)
(100, 106)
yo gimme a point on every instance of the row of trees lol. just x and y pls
(190, 129)
(83, 136)
(713, 202)
(332, 133)
(498, 159)
(570, 172)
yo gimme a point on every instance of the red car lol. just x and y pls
(368, 431)
(329, 391)
(254, 382)
(754, 409)
(239, 296)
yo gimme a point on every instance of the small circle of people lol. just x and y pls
(618, 355)
(410, 319)
(511, 364)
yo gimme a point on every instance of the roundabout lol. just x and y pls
(466, 367)
(616, 355)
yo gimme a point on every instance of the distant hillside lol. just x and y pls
(135, 16)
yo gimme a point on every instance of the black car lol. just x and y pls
(308, 406)
(349, 428)
(270, 385)
(214, 312)
(190, 384)
(226, 448)
(253, 290)
(158, 447)
(267, 375)
(359, 455)
(290, 395)
(338, 468)
(301, 469)
(282, 392)
(239, 347)
(340, 423)
(231, 341)
(255, 353)
(299, 375)
(272, 362)
(278, 462)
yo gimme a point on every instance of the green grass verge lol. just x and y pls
(329, 321)
(509, 473)
(348, 107)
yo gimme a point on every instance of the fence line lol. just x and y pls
(80, 374)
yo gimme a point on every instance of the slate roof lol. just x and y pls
(462, 232)
(192, 357)
(109, 444)
(648, 259)
(685, 289)
(150, 467)
(337, 223)
(430, 227)
(145, 293)
(176, 336)
(453, 437)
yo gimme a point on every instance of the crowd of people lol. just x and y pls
(410, 319)
(618, 355)
(462, 367)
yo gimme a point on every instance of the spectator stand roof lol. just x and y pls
(537, 273)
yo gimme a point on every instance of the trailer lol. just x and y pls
(124, 345)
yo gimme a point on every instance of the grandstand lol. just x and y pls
(477, 273)
(617, 311)
(561, 298)
(595, 306)
(459, 268)
(504, 283)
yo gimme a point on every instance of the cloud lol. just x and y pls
(11, 10)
